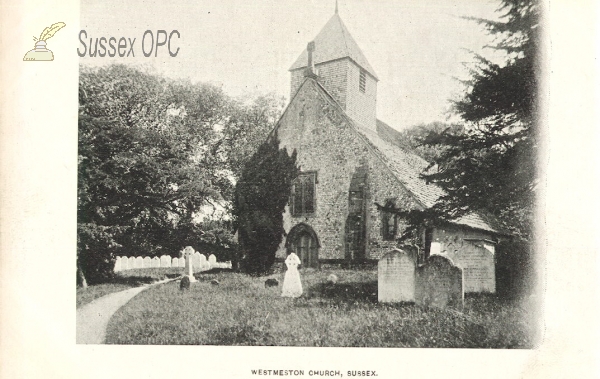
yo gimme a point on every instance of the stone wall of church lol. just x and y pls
(327, 144)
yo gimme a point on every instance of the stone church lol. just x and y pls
(348, 167)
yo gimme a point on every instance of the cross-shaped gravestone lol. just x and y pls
(188, 254)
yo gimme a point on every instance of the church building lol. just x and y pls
(348, 168)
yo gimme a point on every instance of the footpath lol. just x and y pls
(92, 318)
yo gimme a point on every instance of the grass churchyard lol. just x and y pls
(242, 310)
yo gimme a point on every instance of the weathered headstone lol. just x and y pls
(131, 262)
(439, 283)
(212, 260)
(188, 254)
(477, 263)
(118, 264)
(139, 262)
(147, 262)
(124, 263)
(175, 262)
(182, 262)
(196, 261)
(396, 277)
(203, 263)
(155, 262)
(165, 261)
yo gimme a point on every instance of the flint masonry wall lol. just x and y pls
(327, 144)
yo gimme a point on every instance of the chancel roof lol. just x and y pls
(334, 42)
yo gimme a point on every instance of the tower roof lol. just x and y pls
(335, 42)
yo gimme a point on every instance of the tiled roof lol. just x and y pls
(334, 42)
(407, 168)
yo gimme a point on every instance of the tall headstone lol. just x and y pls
(124, 263)
(188, 253)
(139, 262)
(175, 262)
(155, 262)
(396, 277)
(182, 262)
(196, 261)
(477, 262)
(147, 262)
(165, 261)
(203, 263)
(439, 283)
(212, 260)
(118, 264)
(131, 262)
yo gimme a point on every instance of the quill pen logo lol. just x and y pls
(40, 52)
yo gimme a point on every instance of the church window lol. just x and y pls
(303, 194)
(362, 81)
(389, 221)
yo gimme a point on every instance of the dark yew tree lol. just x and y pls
(490, 165)
(261, 195)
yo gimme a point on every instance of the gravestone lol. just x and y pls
(188, 254)
(212, 260)
(439, 283)
(131, 262)
(182, 262)
(175, 262)
(118, 264)
(203, 262)
(139, 262)
(155, 262)
(196, 261)
(477, 263)
(147, 262)
(396, 277)
(165, 261)
(124, 263)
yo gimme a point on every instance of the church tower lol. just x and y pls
(342, 69)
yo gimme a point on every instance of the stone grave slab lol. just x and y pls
(155, 262)
(147, 262)
(196, 261)
(439, 283)
(396, 277)
(139, 262)
(165, 261)
(175, 262)
(118, 264)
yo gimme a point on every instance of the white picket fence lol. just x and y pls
(199, 262)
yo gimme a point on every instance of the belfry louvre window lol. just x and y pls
(303, 194)
(362, 81)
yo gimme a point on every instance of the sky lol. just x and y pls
(417, 48)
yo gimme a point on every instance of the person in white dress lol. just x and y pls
(292, 287)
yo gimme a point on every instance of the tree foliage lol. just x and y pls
(150, 158)
(261, 195)
(490, 166)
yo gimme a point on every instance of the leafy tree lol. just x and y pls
(153, 153)
(490, 167)
(261, 194)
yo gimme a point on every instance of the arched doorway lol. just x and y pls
(303, 241)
